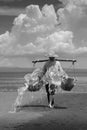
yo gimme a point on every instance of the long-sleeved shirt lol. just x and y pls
(53, 71)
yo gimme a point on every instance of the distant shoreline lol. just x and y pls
(29, 70)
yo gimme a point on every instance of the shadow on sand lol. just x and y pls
(39, 107)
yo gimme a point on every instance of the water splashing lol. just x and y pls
(31, 81)
(18, 101)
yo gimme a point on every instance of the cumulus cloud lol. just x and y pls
(34, 32)
(74, 18)
(57, 42)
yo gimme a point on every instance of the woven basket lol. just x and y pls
(67, 84)
(36, 87)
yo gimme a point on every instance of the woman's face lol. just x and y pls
(52, 58)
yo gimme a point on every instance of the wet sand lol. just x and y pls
(70, 112)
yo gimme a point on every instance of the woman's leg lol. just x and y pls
(52, 101)
(47, 91)
(52, 98)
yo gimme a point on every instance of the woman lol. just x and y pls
(53, 74)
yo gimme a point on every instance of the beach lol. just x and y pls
(69, 113)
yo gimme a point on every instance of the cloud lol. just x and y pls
(74, 2)
(74, 18)
(81, 50)
(5, 62)
(60, 41)
(36, 32)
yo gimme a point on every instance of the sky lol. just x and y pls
(31, 29)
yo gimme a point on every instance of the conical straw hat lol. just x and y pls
(51, 54)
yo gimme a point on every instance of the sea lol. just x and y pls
(10, 81)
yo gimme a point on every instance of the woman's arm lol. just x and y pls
(61, 71)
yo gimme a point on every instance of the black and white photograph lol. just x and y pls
(43, 64)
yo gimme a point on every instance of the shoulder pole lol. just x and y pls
(61, 60)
